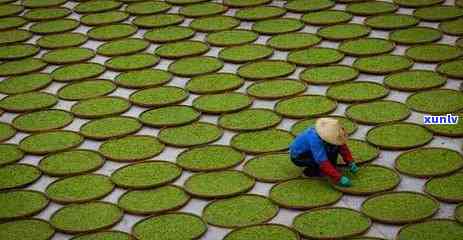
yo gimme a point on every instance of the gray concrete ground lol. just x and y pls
(285, 216)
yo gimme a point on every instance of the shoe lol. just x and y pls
(310, 172)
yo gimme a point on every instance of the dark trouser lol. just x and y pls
(311, 167)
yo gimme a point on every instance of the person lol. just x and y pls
(317, 150)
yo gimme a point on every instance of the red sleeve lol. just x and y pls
(328, 169)
(345, 153)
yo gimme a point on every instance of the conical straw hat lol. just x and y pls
(331, 131)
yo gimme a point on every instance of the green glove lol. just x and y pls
(344, 182)
(354, 168)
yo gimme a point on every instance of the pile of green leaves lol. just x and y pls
(42, 120)
(81, 188)
(452, 69)
(345, 31)
(8, 23)
(305, 106)
(193, 66)
(146, 8)
(100, 107)
(30, 101)
(22, 66)
(169, 116)
(447, 189)
(309, 6)
(25, 83)
(399, 136)
(275, 89)
(329, 74)
(304, 193)
(383, 64)
(110, 127)
(110, 17)
(436, 101)
(315, 56)
(371, 179)
(10, 153)
(277, 26)
(146, 174)
(113, 234)
(122, 47)
(434, 53)
(190, 135)
(262, 141)
(143, 78)
(158, 20)
(218, 184)
(15, 35)
(400, 207)
(26, 229)
(245, 53)
(293, 41)
(86, 89)
(112, 31)
(415, 35)
(153, 201)
(62, 40)
(45, 14)
(326, 17)
(366, 46)
(68, 55)
(250, 119)
(213, 83)
(433, 229)
(71, 162)
(215, 23)
(222, 103)
(231, 37)
(18, 175)
(331, 223)
(414, 80)
(17, 51)
(96, 6)
(274, 167)
(259, 13)
(391, 21)
(371, 8)
(263, 232)
(77, 71)
(131, 148)
(266, 69)
(209, 158)
(378, 112)
(182, 49)
(449, 130)
(86, 217)
(49, 142)
(438, 13)
(170, 226)
(202, 9)
(158, 97)
(6, 131)
(452, 27)
(21, 203)
(132, 62)
(428, 162)
(54, 26)
(239, 211)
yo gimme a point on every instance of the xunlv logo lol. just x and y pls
(443, 119)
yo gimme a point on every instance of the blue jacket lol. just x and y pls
(309, 145)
